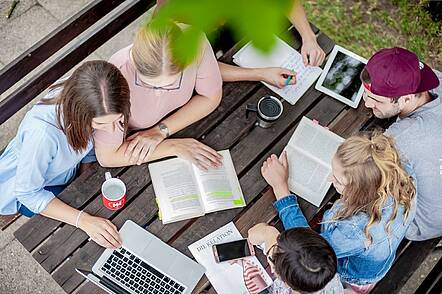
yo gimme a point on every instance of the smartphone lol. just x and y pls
(233, 250)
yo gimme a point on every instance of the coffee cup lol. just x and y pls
(113, 192)
(268, 110)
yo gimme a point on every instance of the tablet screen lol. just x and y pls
(343, 76)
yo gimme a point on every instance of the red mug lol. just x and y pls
(113, 192)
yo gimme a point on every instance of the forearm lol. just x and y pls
(298, 18)
(60, 211)
(290, 213)
(194, 110)
(117, 158)
(232, 73)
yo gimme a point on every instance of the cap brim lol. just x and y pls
(429, 80)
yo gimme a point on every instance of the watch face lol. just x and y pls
(164, 129)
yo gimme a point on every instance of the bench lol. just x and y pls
(59, 247)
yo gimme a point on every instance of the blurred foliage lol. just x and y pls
(254, 20)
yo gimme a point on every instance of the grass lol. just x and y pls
(367, 26)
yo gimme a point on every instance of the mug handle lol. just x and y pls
(107, 175)
(250, 108)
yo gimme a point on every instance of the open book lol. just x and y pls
(225, 277)
(184, 191)
(282, 55)
(310, 152)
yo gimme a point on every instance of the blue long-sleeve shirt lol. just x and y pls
(37, 157)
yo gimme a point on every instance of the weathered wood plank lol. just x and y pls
(405, 266)
(66, 240)
(77, 52)
(7, 220)
(433, 281)
(77, 194)
(63, 34)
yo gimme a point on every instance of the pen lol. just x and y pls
(288, 80)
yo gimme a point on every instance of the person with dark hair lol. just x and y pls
(396, 83)
(301, 259)
(54, 138)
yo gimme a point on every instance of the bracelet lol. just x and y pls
(78, 218)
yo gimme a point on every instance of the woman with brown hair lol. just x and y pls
(366, 225)
(54, 138)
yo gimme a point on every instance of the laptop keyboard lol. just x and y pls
(138, 276)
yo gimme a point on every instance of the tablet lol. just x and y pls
(340, 77)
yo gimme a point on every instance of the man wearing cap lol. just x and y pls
(397, 83)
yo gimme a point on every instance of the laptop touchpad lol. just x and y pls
(160, 257)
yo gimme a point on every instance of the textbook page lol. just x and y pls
(310, 151)
(225, 277)
(176, 189)
(220, 188)
(282, 55)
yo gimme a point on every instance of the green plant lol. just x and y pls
(256, 20)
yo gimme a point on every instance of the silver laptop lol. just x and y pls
(144, 264)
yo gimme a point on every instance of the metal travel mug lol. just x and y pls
(268, 110)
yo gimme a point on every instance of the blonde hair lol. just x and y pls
(374, 173)
(152, 52)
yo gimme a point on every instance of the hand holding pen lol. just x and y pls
(277, 76)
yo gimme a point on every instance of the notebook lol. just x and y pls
(282, 55)
(184, 191)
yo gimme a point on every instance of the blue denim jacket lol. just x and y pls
(358, 262)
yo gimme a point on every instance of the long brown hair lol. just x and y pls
(374, 173)
(96, 88)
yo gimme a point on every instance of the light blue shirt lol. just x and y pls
(38, 156)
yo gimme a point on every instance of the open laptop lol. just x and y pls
(144, 264)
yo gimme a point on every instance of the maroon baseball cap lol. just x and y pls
(397, 72)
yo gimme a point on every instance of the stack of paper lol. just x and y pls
(225, 277)
(282, 55)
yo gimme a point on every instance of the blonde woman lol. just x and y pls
(366, 225)
(166, 97)
(162, 102)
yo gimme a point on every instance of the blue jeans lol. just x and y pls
(54, 189)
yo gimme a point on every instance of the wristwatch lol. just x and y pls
(164, 129)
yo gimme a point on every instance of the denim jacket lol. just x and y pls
(359, 262)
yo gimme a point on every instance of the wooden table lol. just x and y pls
(60, 248)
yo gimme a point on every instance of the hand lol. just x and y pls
(256, 234)
(101, 230)
(277, 76)
(196, 152)
(276, 172)
(142, 144)
(312, 53)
